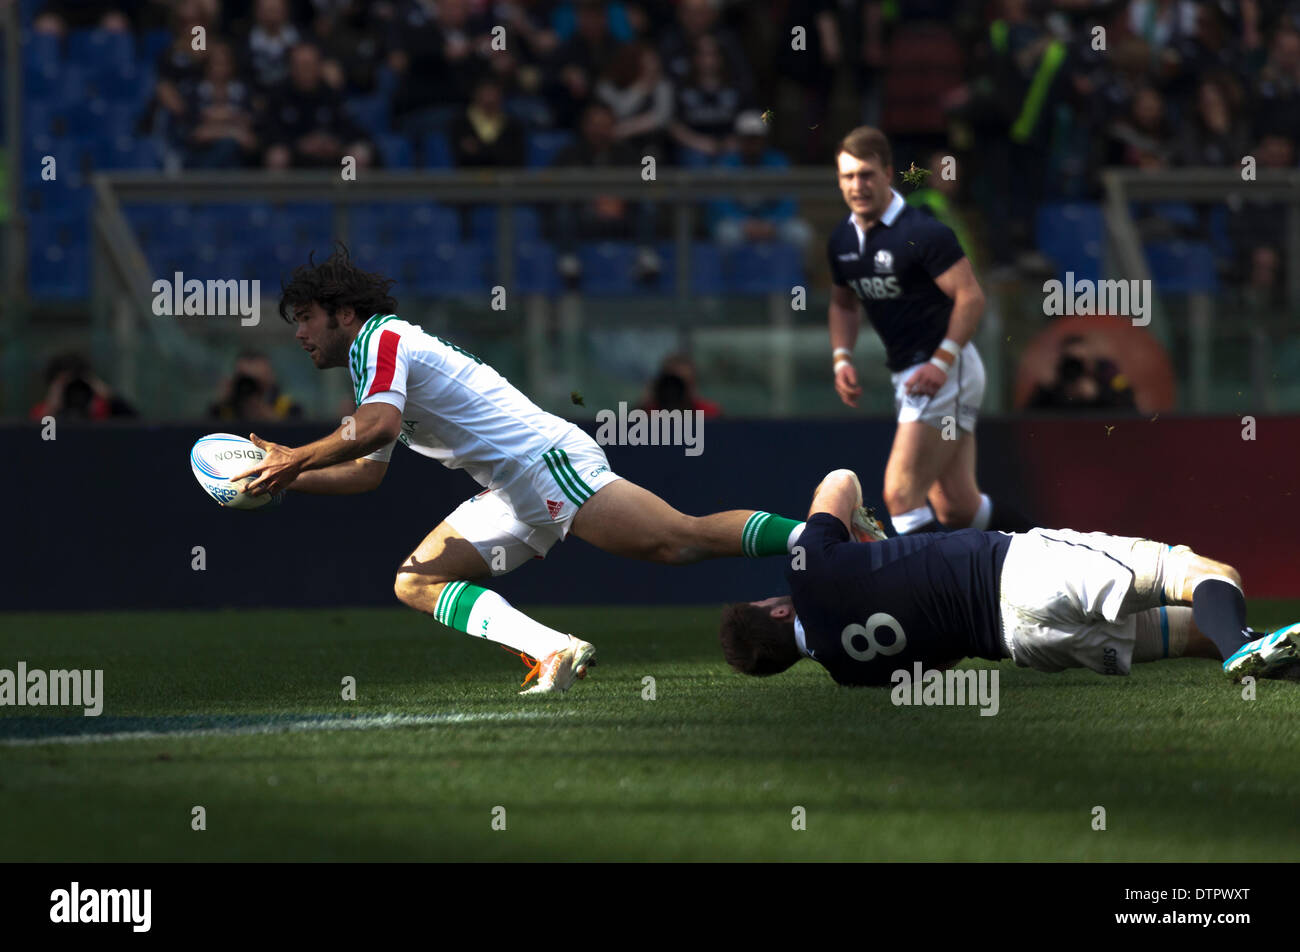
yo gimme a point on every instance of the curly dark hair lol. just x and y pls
(753, 642)
(336, 283)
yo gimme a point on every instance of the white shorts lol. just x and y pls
(959, 398)
(1063, 599)
(523, 519)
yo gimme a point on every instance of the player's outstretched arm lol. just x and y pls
(374, 425)
(342, 479)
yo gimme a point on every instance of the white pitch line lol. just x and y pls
(363, 722)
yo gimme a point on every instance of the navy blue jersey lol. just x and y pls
(892, 271)
(870, 608)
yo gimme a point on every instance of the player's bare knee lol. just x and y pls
(902, 498)
(414, 589)
(1207, 568)
(956, 515)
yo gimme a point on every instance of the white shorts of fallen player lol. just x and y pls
(1064, 598)
(522, 520)
(958, 400)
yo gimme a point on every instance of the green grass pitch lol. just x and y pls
(712, 768)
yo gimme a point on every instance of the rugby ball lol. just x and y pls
(218, 456)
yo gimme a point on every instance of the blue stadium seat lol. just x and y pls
(689, 158)
(372, 113)
(706, 269)
(608, 267)
(119, 118)
(535, 267)
(1182, 266)
(395, 150)
(151, 46)
(483, 223)
(41, 118)
(437, 152)
(68, 154)
(542, 147)
(101, 50)
(62, 228)
(1219, 239)
(130, 84)
(1182, 214)
(386, 259)
(73, 85)
(448, 267)
(224, 222)
(1071, 233)
(67, 196)
(533, 111)
(428, 222)
(765, 267)
(58, 271)
(386, 82)
(42, 81)
(41, 50)
(123, 151)
(305, 224)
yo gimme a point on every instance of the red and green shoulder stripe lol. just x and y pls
(373, 357)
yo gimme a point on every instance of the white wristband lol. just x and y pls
(842, 352)
(951, 346)
(939, 362)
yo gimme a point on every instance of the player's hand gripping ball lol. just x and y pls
(218, 456)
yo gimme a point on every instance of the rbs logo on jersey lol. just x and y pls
(876, 289)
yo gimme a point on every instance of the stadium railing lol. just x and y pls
(1190, 301)
(767, 334)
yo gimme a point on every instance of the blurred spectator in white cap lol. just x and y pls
(745, 217)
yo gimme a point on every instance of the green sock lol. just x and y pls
(766, 534)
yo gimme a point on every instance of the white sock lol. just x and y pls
(493, 618)
(793, 537)
(905, 522)
(982, 514)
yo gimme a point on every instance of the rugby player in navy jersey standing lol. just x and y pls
(907, 270)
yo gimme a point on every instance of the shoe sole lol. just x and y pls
(1283, 654)
(584, 657)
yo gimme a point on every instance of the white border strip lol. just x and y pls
(279, 726)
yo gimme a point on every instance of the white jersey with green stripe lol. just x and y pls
(455, 408)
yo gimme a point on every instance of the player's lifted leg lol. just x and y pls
(483, 537)
(625, 519)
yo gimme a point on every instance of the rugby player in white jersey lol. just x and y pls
(542, 476)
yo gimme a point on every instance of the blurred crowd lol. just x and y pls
(1031, 97)
(1034, 96)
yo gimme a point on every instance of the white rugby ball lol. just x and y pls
(218, 456)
